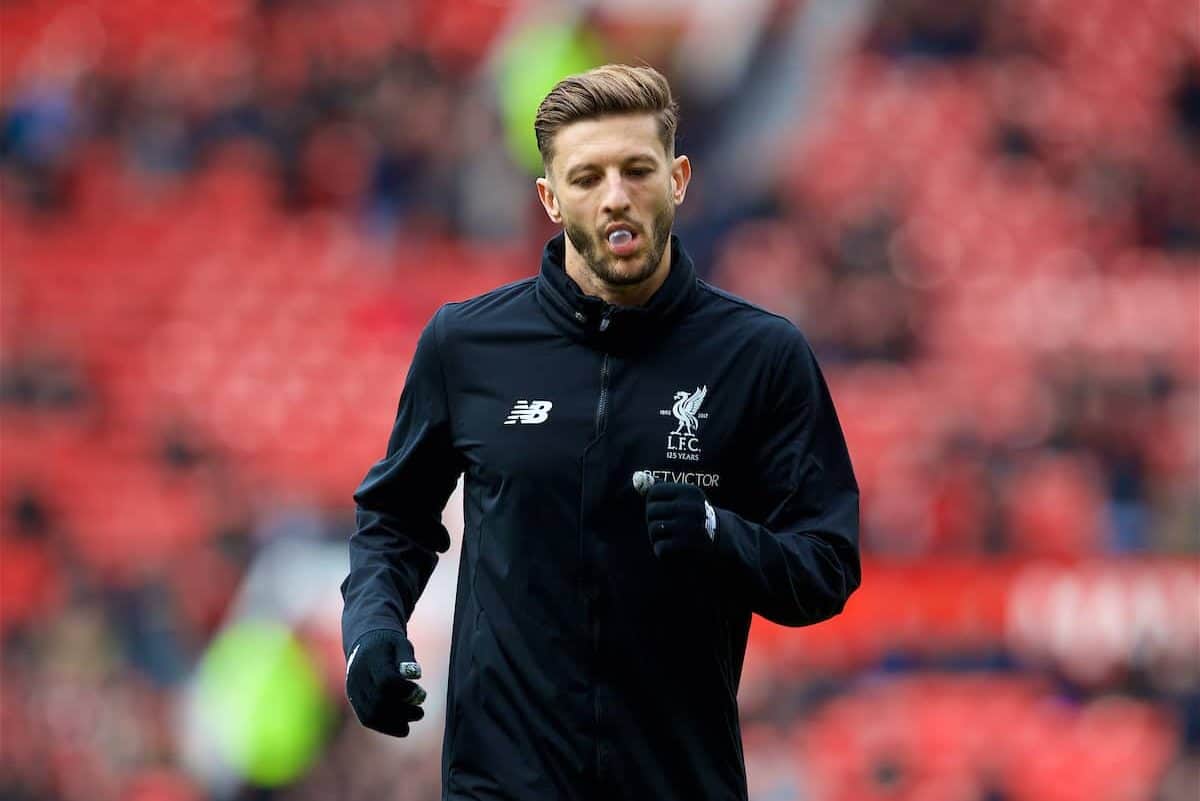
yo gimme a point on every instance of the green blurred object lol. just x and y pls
(263, 696)
(532, 62)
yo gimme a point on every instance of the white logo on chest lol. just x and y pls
(529, 412)
(683, 443)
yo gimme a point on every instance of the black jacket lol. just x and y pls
(580, 666)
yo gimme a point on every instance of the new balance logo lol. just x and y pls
(529, 412)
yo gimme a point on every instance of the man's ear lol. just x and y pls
(549, 200)
(681, 175)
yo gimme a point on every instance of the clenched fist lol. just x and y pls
(379, 682)
(680, 521)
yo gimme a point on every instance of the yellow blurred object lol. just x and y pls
(532, 62)
(263, 697)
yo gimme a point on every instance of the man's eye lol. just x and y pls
(639, 172)
(586, 180)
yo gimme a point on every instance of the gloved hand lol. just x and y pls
(680, 521)
(379, 673)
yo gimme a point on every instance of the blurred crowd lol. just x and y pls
(224, 224)
(352, 107)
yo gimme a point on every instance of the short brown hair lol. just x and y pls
(603, 91)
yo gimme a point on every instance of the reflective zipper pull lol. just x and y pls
(604, 319)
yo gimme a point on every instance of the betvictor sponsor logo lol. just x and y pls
(706, 480)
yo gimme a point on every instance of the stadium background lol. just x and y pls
(225, 221)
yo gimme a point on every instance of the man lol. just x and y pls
(599, 634)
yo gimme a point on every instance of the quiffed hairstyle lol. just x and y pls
(603, 91)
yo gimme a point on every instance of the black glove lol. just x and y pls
(680, 521)
(378, 682)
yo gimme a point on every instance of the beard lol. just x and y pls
(591, 246)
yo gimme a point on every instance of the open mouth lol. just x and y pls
(622, 240)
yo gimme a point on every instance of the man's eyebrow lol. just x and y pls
(630, 160)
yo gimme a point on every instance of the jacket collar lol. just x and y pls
(602, 325)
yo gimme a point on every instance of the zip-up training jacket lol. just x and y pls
(581, 667)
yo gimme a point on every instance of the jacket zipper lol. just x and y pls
(602, 404)
(601, 422)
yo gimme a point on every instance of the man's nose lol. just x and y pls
(616, 198)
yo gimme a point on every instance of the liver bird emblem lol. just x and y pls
(685, 409)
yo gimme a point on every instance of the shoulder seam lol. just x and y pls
(495, 290)
(743, 302)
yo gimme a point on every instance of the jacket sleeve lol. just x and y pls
(797, 556)
(399, 530)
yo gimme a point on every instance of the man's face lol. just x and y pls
(613, 174)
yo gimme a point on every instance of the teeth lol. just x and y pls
(619, 237)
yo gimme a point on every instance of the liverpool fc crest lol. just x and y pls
(684, 442)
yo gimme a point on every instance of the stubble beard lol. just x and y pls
(591, 247)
